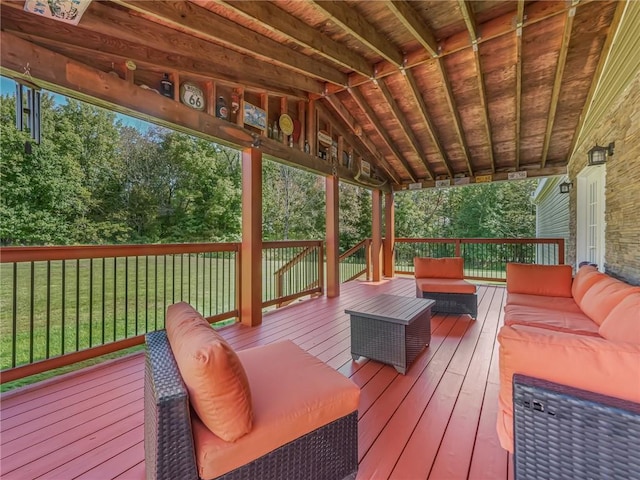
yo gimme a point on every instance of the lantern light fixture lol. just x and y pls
(598, 155)
(565, 187)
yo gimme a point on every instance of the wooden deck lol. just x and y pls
(435, 422)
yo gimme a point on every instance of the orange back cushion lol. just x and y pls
(585, 278)
(603, 296)
(448, 267)
(215, 378)
(623, 322)
(547, 280)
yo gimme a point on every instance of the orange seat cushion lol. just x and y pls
(590, 363)
(448, 267)
(547, 280)
(445, 285)
(603, 296)
(294, 393)
(586, 277)
(563, 304)
(215, 379)
(623, 322)
(560, 321)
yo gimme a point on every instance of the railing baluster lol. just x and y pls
(104, 299)
(31, 311)
(115, 297)
(14, 319)
(63, 306)
(77, 304)
(90, 302)
(135, 282)
(48, 328)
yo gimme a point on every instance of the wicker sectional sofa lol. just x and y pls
(302, 420)
(576, 344)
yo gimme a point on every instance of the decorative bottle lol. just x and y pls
(307, 147)
(276, 131)
(166, 86)
(221, 108)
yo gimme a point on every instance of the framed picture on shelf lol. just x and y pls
(254, 116)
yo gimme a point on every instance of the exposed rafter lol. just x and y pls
(403, 11)
(339, 109)
(405, 127)
(422, 109)
(557, 83)
(519, 32)
(467, 13)
(371, 116)
(453, 108)
(277, 20)
(208, 25)
(350, 21)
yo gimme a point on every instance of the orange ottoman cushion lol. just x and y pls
(445, 285)
(293, 392)
(217, 384)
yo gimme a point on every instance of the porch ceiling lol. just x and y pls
(424, 90)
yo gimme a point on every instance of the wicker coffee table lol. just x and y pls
(390, 329)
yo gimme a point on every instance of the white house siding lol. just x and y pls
(552, 217)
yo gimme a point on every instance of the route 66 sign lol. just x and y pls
(192, 96)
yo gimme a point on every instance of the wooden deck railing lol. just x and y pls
(61, 305)
(66, 304)
(293, 269)
(484, 258)
(356, 261)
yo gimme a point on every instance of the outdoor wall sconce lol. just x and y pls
(598, 155)
(565, 187)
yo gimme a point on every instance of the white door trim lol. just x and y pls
(590, 224)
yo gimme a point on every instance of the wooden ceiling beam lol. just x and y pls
(405, 127)
(349, 20)
(422, 109)
(371, 116)
(557, 83)
(374, 158)
(339, 109)
(519, 31)
(88, 42)
(409, 18)
(279, 21)
(453, 108)
(208, 25)
(470, 21)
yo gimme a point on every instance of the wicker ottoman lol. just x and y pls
(390, 329)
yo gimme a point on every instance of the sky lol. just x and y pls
(8, 87)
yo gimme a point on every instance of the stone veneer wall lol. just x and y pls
(621, 124)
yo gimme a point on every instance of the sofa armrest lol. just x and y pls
(546, 280)
(588, 363)
(168, 438)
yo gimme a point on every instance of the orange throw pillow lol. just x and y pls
(212, 372)
(447, 267)
(546, 280)
(599, 301)
(623, 322)
(586, 278)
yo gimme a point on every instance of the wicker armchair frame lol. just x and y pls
(460, 303)
(563, 432)
(329, 452)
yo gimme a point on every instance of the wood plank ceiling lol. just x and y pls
(423, 90)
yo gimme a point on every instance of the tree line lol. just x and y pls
(95, 180)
